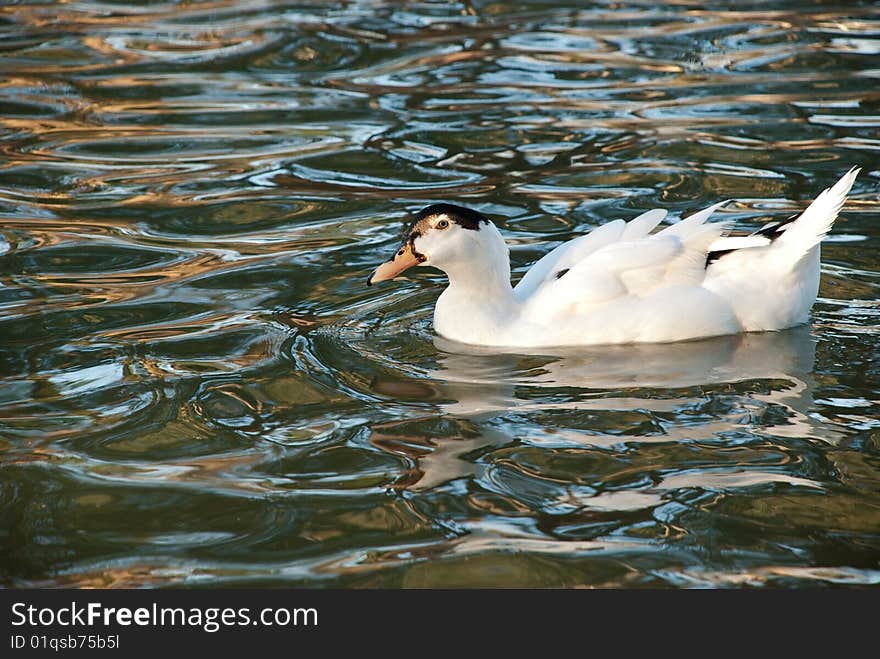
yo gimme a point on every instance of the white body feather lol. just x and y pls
(622, 284)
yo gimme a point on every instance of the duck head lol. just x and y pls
(447, 237)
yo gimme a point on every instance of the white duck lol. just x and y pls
(620, 283)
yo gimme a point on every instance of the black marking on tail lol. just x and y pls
(711, 257)
(773, 230)
(561, 273)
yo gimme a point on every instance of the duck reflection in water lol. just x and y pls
(476, 385)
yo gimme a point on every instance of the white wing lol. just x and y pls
(624, 260)
(566, 255)
(641, 226)
(570, 253)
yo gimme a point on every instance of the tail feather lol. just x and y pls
(815, 222)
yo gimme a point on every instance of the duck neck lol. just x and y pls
(479, 302)
(483, 275)
(485, 282)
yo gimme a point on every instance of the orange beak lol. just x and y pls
(405, 258)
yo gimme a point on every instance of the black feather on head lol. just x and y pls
(466, 218)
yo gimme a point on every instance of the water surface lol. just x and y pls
(197, 389)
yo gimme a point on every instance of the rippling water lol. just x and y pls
(198, 389)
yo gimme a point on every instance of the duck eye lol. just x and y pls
(442, 224)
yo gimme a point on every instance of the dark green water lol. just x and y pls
(197, 389)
